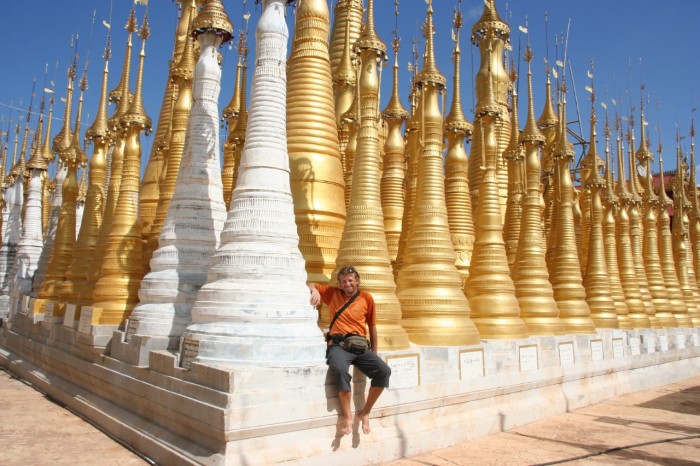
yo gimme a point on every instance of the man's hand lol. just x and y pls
(315, 299)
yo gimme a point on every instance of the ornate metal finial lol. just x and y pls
(531, 132)
(456, 121)
(213, 18)
(430, 72)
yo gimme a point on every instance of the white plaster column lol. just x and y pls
(254, 308)
(196, 215)
(8, 251)
(31, 242)
(56, 202)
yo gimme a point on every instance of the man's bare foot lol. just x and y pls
(346, 426)
(364, 418)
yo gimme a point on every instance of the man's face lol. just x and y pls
(348, 283)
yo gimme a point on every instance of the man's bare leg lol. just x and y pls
(363, 414)
(344, 397)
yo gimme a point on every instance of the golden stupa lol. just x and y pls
(316, 173)
(538, 309)
(491, 34)
(116, 290)
(668, 268)
(457, 198)
(363, 241)
(514, 157)
(565, 269)
(394, 173)
(435, 310)
(491, 292)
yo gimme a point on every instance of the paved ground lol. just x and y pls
(659, 426)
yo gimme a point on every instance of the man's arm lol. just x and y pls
(374, 344)
(315, 299)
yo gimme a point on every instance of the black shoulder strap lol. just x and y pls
(340, 311)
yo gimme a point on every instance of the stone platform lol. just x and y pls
(439, 396)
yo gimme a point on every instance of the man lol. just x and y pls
(359, 315)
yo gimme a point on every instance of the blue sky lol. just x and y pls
(613, 33)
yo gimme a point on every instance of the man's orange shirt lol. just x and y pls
(356, 317)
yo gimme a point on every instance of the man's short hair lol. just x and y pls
(346, 269)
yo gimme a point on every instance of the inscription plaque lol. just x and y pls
(471, 364)
(663, 342)
(132, 326)
(566, 353)
(405, 371)
(618, 348)
(85, 324)
(696, 339)
(69, 316)
(528, 357)
(680, 341)
(190, 350)
(597, 350)
(635, 346)
(48, 311)
(650, 344)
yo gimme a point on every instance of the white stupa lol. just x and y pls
(254, 308)
(196, 215)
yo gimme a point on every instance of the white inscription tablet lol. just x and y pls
(618, 348)
(528, 358)
(405, 371)
(471, 364)
(566, 353)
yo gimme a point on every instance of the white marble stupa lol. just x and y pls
(14, 196)
(32, 239)
(56, 202)
(254, 309)
(196, 215)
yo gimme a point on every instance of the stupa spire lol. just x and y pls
(514, 157)
(457, 199)
(115, 162)
(610, 205)
(694, 212)
(596, 280)
(98, 134)
(538, 309)
(394, 173)
(636, 230)
(680, 235)
(628, 277)
(64, 241)
(668, 268)
(491, 34)
(565, 269)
